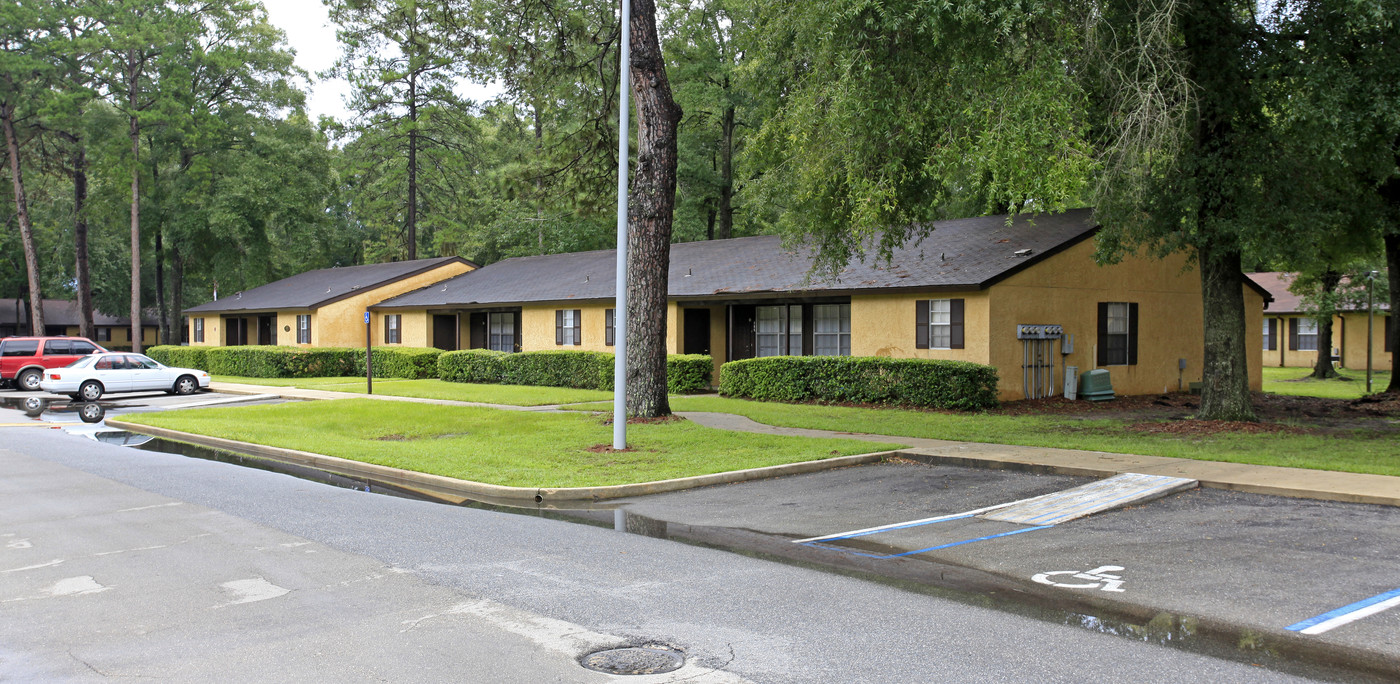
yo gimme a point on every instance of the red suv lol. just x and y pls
(23, 359)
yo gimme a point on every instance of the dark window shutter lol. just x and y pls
(578, 327)
(1102, 332)
(1132, 333)
(515, 333)
(1292, 334)
(1388, 325)
(1272, 323)
(608, 331)
(559, 326)
(955, 330)
(385, 321)
(921, 324)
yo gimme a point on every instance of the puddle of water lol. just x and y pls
(33, 407)
(920, 575)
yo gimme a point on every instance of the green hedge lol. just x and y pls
(179, 357)
(282, 362)
(414, 363)
(865, 380)
(579, 369)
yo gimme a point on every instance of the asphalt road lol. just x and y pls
(179, 568)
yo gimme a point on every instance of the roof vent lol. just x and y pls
(687, 272)
(1024, 252)
(240, 295)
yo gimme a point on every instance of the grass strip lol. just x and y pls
(1356, 451)
(510, 395)
(1350, 384)
(500, 447)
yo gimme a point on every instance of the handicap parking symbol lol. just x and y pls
(1098, 578)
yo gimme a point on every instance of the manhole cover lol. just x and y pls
(636, 660)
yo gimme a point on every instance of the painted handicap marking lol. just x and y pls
(1098, 578)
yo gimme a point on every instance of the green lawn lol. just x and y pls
(1351, 384)
(1363, 452)
(511, 395)
(500, 447)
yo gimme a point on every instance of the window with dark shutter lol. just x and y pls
(955, 324)
(1270, 334)
(1387, 324)
(1117, 334)
(559, 326)
(921, 324)
(608, 332)
(578, 327)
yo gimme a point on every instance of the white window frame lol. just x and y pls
(827, 341)
(940, 324)
(500, 331)
(568, 332)
(393, 329)
(1307, 334)
(303, 328)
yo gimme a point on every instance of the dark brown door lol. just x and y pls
(445, 331)
(697, 331)
(235, 331)
(477, 326)
(267, 330)
(741, 333)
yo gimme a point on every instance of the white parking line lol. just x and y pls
(228, 400)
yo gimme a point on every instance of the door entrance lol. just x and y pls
(267, 330)
(697, 331)
(445, 331)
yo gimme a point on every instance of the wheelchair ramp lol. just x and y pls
(1114, 492)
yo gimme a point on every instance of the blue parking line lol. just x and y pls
(1359, 606)
(931, 548)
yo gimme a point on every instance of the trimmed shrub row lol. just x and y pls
(579, 369)
(300, 362)
(866, 380)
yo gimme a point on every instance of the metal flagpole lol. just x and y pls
(620, 300)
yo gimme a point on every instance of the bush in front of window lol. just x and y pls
(862, 380)
(685, 373)
(281, 362)
(413, 363)
(471, 365)
(179, 357)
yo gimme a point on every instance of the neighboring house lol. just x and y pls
(961, 293)
(322, 308)
(61, 317)
(1290, 333)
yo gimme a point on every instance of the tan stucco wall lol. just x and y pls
(884, 325)
(537, 326)
(1352, 341)
(120, 335)
(1066, 289)
(1282, 355)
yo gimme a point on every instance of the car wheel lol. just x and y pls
(29, 380)
(186, 385)
(90, 391)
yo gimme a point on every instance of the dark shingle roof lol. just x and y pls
(319, 288)
(962, 254)
(63, 312)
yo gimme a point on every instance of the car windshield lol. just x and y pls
(81, 362)
(139, 361)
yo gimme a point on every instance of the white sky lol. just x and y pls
(310, 33)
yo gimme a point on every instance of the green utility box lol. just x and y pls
(1095, 385)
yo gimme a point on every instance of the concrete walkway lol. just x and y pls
(1291, 482)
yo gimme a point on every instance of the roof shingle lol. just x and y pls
(318, 288)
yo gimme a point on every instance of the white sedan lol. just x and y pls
(88, 378)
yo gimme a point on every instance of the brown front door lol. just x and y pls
(445, 331)
(741, 332)
(697, 331)
(267, 330)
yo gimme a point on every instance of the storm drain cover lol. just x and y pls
(636, 660)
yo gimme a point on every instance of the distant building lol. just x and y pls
(61, 317)
(322, 308)
(1289, 332)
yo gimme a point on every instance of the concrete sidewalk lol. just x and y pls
(1292, 482)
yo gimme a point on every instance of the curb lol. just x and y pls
(1382, 490)
(517, 496)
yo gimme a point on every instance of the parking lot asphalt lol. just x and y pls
(1204, 559)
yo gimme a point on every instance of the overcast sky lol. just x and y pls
(310, 33)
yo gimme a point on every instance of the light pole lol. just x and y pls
(1370, 324)
(620, 297)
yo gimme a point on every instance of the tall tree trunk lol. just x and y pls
(539, 154)
(412, 167)
(1225, 369)
(1392, 265)
(650, 212)
(177, 294)
(134, 130)
(80, 242)
(163, 328)
(1213, 37)
(1323, 369)
(726, 174)
(26, 231)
